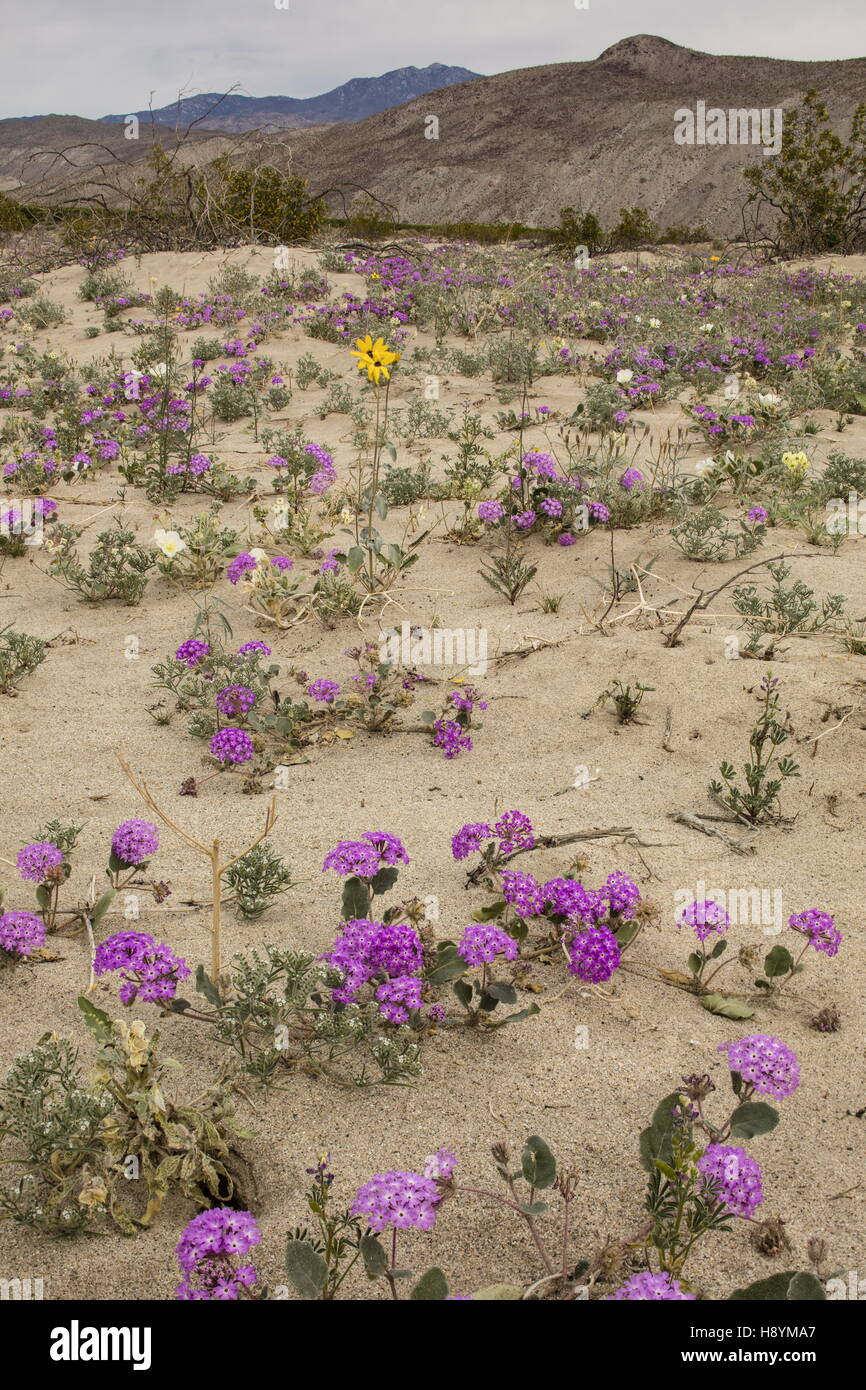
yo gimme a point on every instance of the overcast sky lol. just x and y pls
(92, 57)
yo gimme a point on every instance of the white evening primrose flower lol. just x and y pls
(708, 327)
(624, 375)
(704, 465)
(769, 398)
(655, 323)
(169, 542)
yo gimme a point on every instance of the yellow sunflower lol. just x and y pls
(374, 358)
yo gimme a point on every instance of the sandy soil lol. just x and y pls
(87, 700)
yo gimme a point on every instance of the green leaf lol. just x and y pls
(694, 962)
(778, 962)
(727, 1008)
(43, 896)
(755, 1117)
(101, 907)
(374, 1257)
(718, 949)
(380, 502)
(356, 899)
(97, 1020)
(806, 1286)
(355, 559)
(537, 1163)
(428, 717)
(778, 1289)
(666, 1168)
(432, 1287)
(535, 1209)
(305, 1268)
(489, 913)
(383, 880)
(626, 932)
(528, 1012)
(655, 1140)
(464, 992)
(498, 1293)
(504, 992)
(205, 985)
(448, 967)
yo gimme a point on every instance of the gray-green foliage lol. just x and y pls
(257, 879)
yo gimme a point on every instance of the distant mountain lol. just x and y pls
(363, 96)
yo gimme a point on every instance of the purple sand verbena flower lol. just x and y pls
(765, 1062)
(522, 893)
(738, 1178)
(149, 969)
(192, 652)
(648, 1287)
(594, 955)
(469, 839)
(134, 841)
(515, 832)
(232, 746)
(819, 928)
(400, 1199)
(323, 690)
(482, 942)
(704, 918)
(235, 700)
(21, 933)
(35, 862)
(205, 1252)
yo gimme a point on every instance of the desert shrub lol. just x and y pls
(634, 228)
(42, 313)
(578, 229)
(811, 198)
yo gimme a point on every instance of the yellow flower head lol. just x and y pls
(374, 358)
(795, 463)
(715, 258)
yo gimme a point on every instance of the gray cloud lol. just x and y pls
(89, 58)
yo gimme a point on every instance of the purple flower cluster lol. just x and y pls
(35, 862)
(565, 897)
(254, 647)
(594, 955)
(21, 933)
(232, 746)
(819, 928)
(522, 893)
(766, 1063)
(363, 857)
(482, 942)
(737, 1175)
(149, 969)
(240, 565)
(235, 700)
(205, 1252)
(399, 1199)
(705, 918)
(620, 893)
(515, 832)
(192, 652)
(324, 690)
(134, 841)
(449, 736)
(650, 1288)
(491, 511)
(365, 949)
(469, 839)
(398, 997)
